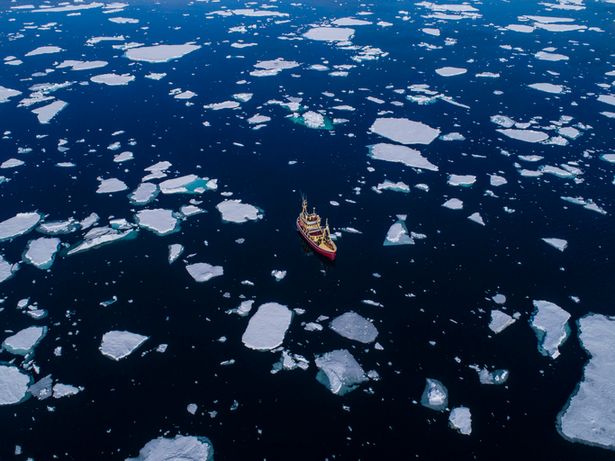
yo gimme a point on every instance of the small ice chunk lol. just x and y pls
(404, 131)
(44, 50)
(7, 93)
(100, 236)
(398, 233)
(477, 218)
(453, 204)
(237, 212)
(559, 244)
(400, 154)
(158, 220)
(23, 342)
(495, 377)
(175, 251)
(65, 390)
(160, 53)
(184, 448)
(353, 326)
(202, 272)
(41, 252)
(278, 275)
(120, 344)
(500, 321)
(339, 371)
(435, 395)
(192, 408)
(547, 87)
(550, 323)
(11, 163)
(460, 419)
(525, 135)
(123, 157)
(267, 327)
(13, 385)
(20, 224)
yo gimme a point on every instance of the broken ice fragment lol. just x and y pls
(400, 154)
(144, 193)
(65, 390)
(404, 131)
(189, 184)
(353, 326)
(477, 218)
(450, 71)
(175, 251)
(202, 272)
(113, 79)
(160, 53)
(6, 269)
(278, 275)
(329, 34)
(120, 344)
(13, 385)
(159, 221)
(525, 135)
(559, 244)
(267, 327)
(42, 389)
(453, 204)
(460, 419)
(48, 112)
(23, 342)
(463, 180)
(398, 233)
(41, 252)
(20, 224)
(100, 236)
(490, 377)
(184, 448)
(339, 371)
(111, 185)
(500, 321)
(550, 323)
(237, 212)
(435, 395)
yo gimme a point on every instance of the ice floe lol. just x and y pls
(100, 236)
(65, 390)
(20, 224)
(41, 252)
(120, 344)
(7, 93)
(144, 193)
(329, 34)
(400, 154)
(477, 218)
(113, 79)
(398, 233)
(339, 371)
(6, 269)
(175, 251)
(435, 395)
(453, 204)
(463, 180)
(559, 244)
(546, 56)
(46, 113)
(524, 135)
(181, 447)
(110, 186)
(81, 65)
(278, 275)
(189, 184)
(460, 419)
(550, 323)
(158, 220)
(404, 131)
(13, 385)
(202, 272)
(272, 67)
(44, 50)
(23, 342)
(354, 326)
(548, 87)
(267, 327)
(160, 53)
(450, 71)
(588, 415)
(237, 212)
(495, 377)
(500, 321)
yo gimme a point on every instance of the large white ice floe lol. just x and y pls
(557, 243)
(202, 272)
(329, 34)
(110, 186)
(460, 419)
(144, 193)
(463, 180)
(113, 79)
(550, 323)
(435, 395)
(6, 269)
(500, 321)
(20, 224)
(181, 447)
(339, 371)
(13, 385)
(450, 71)
(49, 111)
(44, 50)
(404, 131)
(354, 326)
(237, 212)
(158, 220)
(189, 184)
(267, 327)
(525, 135)
(120, 344)
(400, 154)
(23, 342)
(41, 252)
(81, 65)
(589, 416)
(160, 53)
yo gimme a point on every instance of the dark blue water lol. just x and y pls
(452, 274)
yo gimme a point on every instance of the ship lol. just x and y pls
(318, 237)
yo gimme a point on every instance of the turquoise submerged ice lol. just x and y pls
(589, 416)
(179, 448)
(339, 371)
(435, 395)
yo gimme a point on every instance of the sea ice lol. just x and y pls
(546, 56)
(450, 71)
(202, 272)
(46, 113)
(550, 323)
(144, 193)
(11, 163)
(477, 218)
(44, 50)
(398, 233)
(158, 220)
(453, 204)
(65, 390)
(330, 34)
(99, 236)
(6, 269)
(525, 135)
(404, 131)
(278, 275)
(588, 416)
(189, 184)
(13, 385)
(110, 186)
(20, 224)
(237, 212)
(160, 53)
(175, 251)
(41, 252)
(463, 180)
(460, 419)
(339, 371)
(400, 154)
(272, 67)
(495, 377)
(81, 65)
(353, 326)
(267, 327)
(500, 321)
(113, 79)
(23, 342)
(392, 186)
(120, 344)
(559, 244)
(184, 448)
(7, 93)
(547, 87)
(435, 395)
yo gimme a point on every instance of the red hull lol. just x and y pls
(327, 254)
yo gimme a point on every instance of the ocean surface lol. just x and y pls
(356, 103)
